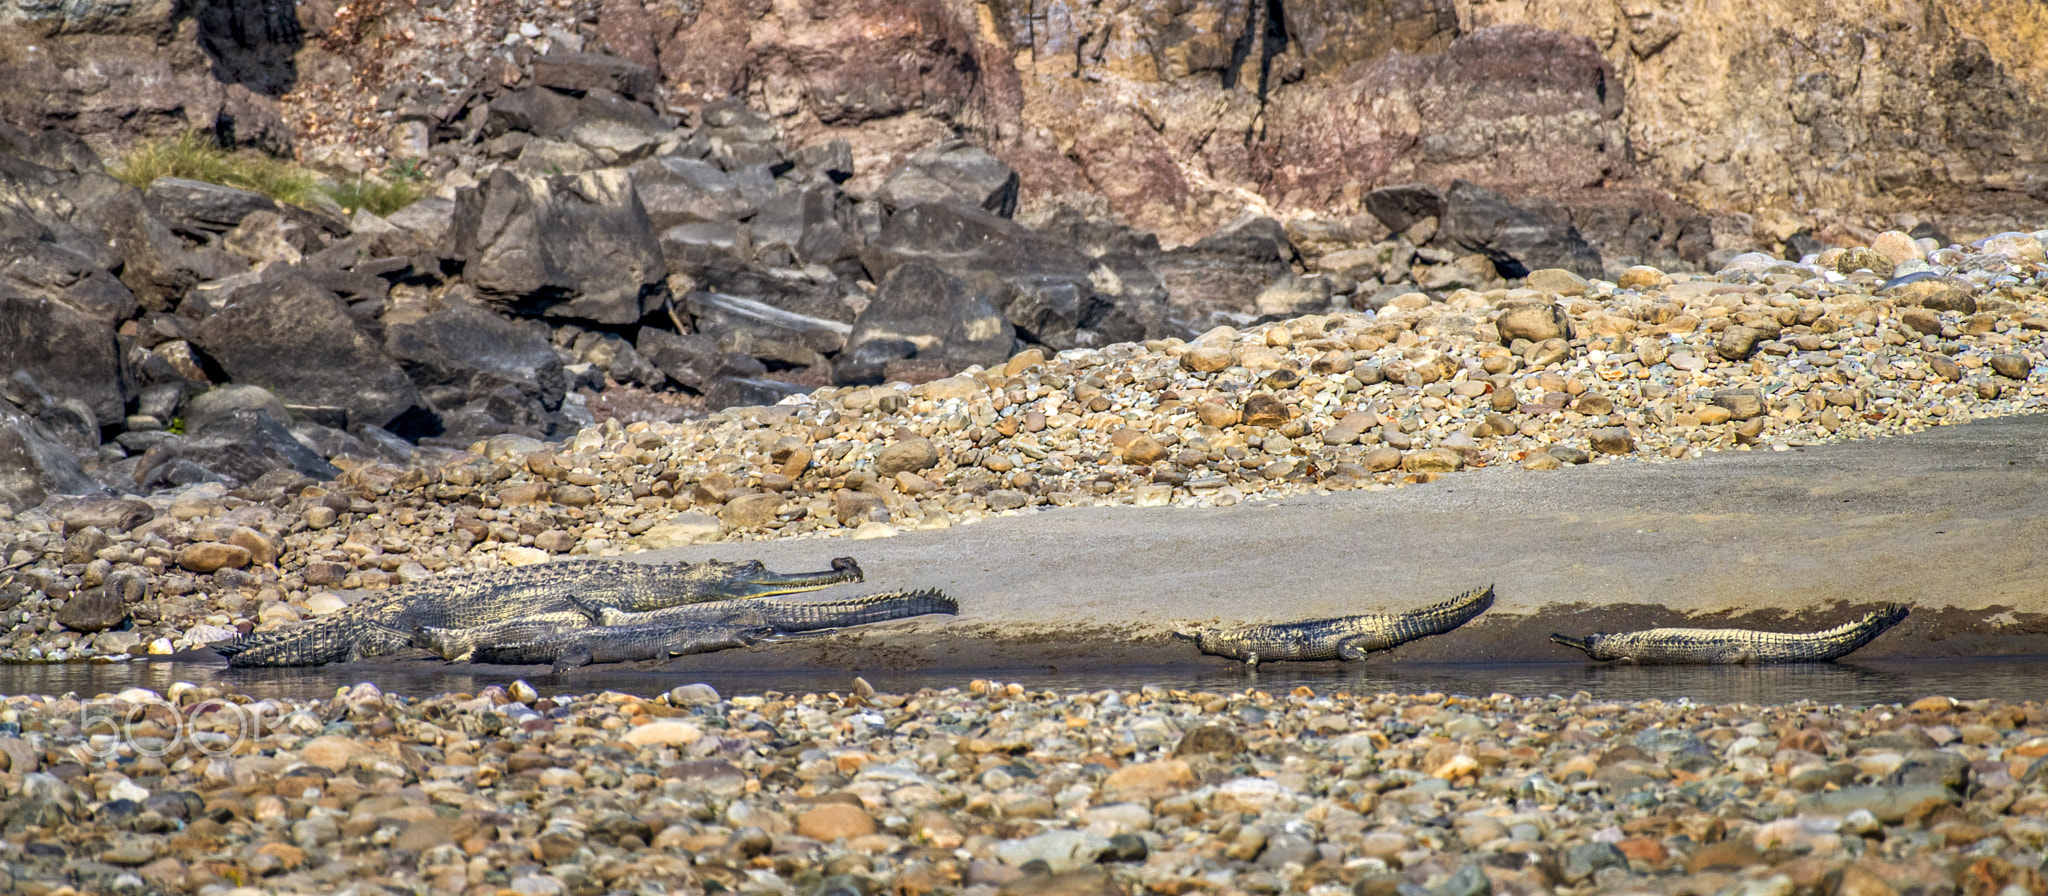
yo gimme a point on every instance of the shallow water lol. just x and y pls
(1884, 681)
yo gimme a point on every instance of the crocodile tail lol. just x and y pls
(795, 617)
(311, 644)
(1443, 617)
(1845, 639)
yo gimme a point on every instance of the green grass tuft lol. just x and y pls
(195, 156)
(378, 196)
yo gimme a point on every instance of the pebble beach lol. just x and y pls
(992, 788)
(1655, 367)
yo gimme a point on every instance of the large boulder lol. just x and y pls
(679, 190)
(1124, 274)
(577, 74)
(576, 246)
(33, 464)
(548, 113)
(121, 70)
(721, 313)
(692, 359)
(202, 210)
(157, 264)
(925, 313)
(298, 340)
(804, 227)
(1516, 239)
(53, 190)
(1226, 270)
(1403, 206)
(953, 171)
(458, 351)
(1053, 298)
(236, 448)
(58, 312)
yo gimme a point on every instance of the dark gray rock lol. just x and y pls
(802, 227)
(736, 137)
(157, 265)
(828, 162)
(934, 315)
(329, 442)
(676, 190)
(58, 312)
(954, 171)
(506, 409)
(419, 229)
(1516, 239)
(1123, 274)
(580, 73)
(616, 356)
(691, 359)
(531, 110)
(570, 246)
(458, 351)
(720, 313)
(1053, 299)
(702, 246)
(735, 391)
(1950, 770)
(93, 610)
(1470, 880)
(103, 512)
(200, 210)
(33, 464)
(237, 448)
(1226, 271)
(548, 113)
(1402, 206)
(298, 341)
(228, 400)
(68, 420)
(1580, 861)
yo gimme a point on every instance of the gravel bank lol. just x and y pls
(993, 789)
(1560, 372)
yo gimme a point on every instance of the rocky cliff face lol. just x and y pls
(743, 200)
(1829, 112)
(1649, 123)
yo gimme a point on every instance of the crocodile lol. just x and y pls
(384, 623)
(1342, 637)
(1700, 646)
(609, 635)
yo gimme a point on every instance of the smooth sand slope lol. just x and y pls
(1952, 521)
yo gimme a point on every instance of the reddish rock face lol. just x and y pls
(844, 62)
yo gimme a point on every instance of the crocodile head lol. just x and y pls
(755, 579)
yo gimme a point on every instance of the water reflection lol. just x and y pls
(2004, 678)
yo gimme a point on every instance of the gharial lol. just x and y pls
(609, 635)
(384, 623)
(1342, 637)
(1702, 646)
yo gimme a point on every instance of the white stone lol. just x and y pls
(324, 603)
(663, 732)
(516, 555)
(689, 527)
(873, 529)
